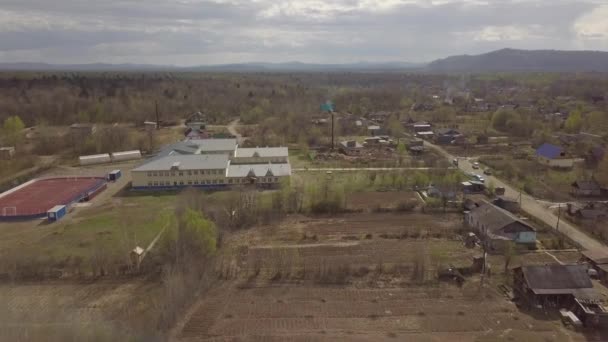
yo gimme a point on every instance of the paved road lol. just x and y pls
(530, 205)
(310, 169)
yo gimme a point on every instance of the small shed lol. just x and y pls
(114, 175)
(150, 125)
(137, 255)
(126, 155)
(56, 213)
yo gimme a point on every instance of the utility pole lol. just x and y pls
(559, 214)
(332, 130)
(157, 117)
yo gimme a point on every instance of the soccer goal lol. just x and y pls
(9, 211)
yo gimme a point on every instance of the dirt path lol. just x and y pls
(232, 129)
(530, 205)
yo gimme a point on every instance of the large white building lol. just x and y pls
(212, 163)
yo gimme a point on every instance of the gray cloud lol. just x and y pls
(188, 32)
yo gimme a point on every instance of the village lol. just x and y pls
(380, 228)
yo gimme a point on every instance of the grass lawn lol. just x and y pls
(113, 229)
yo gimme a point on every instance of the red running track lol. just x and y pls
(36, 198)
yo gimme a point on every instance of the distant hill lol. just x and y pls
(524, 60)
(239, 67)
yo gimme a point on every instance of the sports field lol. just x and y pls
(36, 197)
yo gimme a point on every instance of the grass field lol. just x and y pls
(109, 231)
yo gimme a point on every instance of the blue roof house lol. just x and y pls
(553, 156)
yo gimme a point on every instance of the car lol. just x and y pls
(476, 165)
(455, 162)
(479, 178)
(487, 172)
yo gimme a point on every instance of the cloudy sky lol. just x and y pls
(194, 32)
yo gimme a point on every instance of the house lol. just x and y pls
(586, 188)
(473, 187)
(499, 226)
(374, 130)
(425, 135)
(508, 204)
(553, 156)
(79, 130)
(597, 260)
(379, 117)
(421, 126)
(442, 192)
(7, 153)
(557, 286)
(351, 147)
(416, 146)
(590, 211)
(447, 136)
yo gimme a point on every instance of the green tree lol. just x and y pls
(501, 117)
(189, 235)
(574, 122)
(12, 129)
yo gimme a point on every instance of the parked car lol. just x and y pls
(479, 178)
(476, 165)
(487, 172)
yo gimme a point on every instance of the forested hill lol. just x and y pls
(525, 60)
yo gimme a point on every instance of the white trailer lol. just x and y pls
(95, 159)
(126, 155)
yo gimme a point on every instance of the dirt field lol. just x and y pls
(353, 278)
(74, 311)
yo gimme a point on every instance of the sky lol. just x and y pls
(200, 32)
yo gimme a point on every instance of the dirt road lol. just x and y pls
(529, 204)
(232, 129)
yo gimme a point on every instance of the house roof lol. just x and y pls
(186, 162)
(345, 144)
(261, 152)
(545, 279)
(549, 151)
(586, 185)
(448, 131)
(597, 256)
(495, 218)
(259, 170)
(373, 127)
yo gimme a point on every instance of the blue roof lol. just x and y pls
(549, 151)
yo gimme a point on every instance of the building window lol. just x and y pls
(172, 174)
(195, 182)
(189, 182)
(149, 183)
(276, 179)
(167, 174)
(149, 174)
(195, 172)
(215, 181)
(230, 181)
(181, 173)
(181, 183)
(155, 183)
(189, 173)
